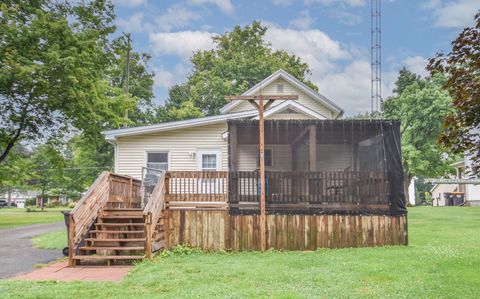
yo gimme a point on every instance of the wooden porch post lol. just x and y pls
(233, 147)
(71, 241)
(263, 237)
(313, 147)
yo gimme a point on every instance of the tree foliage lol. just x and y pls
(240, 59)
(420, 105)
(461, 66)
(53, 62)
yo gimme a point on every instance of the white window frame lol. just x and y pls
(157, 152)
(201, 152)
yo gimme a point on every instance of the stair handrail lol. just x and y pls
(85, 212)
(153, 211)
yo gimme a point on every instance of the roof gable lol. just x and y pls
(281, 74)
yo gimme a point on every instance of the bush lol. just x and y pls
(72, 205)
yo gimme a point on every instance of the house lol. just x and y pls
(18, 197)
(329, 182)
(469, 192)
(201, 144)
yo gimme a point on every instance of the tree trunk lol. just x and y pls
(406, 184)
(9, 196)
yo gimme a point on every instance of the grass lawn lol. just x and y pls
(442, 261)
(22, 218)
(53, 240)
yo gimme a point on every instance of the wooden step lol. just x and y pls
(123, 209)
(112, 248)
(122, 216)
(117, 231)
(120, 224)
(108, 257)
(115, 240)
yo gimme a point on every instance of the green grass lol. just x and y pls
(442, 261)
(36, 209)
(8, 220)
(53, 240)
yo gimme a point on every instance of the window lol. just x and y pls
(280, 88)
(158, 161)
(268, 157)
(209, 160)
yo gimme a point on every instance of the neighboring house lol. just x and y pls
(202, 143)
(18, 198)
(470, 192)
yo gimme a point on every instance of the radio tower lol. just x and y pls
(376, 55)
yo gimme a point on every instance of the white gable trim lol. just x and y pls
(295, 82)
(114, 134)
(297, 107)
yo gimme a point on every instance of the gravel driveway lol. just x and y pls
(17, 254)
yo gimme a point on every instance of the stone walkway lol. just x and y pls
(17, 254)
(61, 272)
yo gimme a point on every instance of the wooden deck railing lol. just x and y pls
(108, 190)
(197, 189)
(152, 213)
(309, 186)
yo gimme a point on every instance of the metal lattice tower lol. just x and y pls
(376, 55)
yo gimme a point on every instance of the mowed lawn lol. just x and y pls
(18, 217)
(442, 261)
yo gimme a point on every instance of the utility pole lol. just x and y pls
(376, 55)
(127, 70)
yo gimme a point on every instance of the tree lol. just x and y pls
(14, 172)
(53, 58)
(461, 67)
(241, 58)
(421, 106)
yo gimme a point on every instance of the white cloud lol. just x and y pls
(416, 64)
(225, 6)
(353, 3)
(181, 43)
(176, 17)
(313, 46)
(163, 77)
(134, 23)
(282, 2)
(304, 20)
(458, 13)
(130, 3)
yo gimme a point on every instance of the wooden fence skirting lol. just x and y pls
(214, 230)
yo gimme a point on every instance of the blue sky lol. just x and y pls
(333, 36)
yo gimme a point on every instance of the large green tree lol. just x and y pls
(420, 104)
(461, 67)
(53, 62)
(240, 59)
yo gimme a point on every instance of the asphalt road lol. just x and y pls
(17, 254)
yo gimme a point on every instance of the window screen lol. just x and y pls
(209, 161)
(157, 161)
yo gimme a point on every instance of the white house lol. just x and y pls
(202, 143)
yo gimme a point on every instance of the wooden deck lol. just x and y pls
(218, 210)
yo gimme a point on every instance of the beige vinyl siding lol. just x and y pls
(330, 157)
(178, 143)
(288, 89)
(292, 115)
(247, 159)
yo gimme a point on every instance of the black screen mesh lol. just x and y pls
(329, 166)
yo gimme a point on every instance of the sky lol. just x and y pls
(332, 36)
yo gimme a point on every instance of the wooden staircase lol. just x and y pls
(108, 225)
(117, 235)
